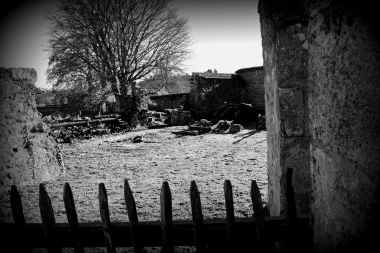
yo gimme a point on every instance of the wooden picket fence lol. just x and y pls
(258, 233)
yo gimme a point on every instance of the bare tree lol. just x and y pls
(112, 44)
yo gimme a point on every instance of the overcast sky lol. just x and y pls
(225, 35)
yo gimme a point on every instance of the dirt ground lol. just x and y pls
(208, 159)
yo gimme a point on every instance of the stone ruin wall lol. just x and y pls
(208, 95)
(322, 73)
(28, 155)
(255, 92)
(171, 101)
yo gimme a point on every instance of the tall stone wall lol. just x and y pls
(322, 72)
(255, 92)
(344, 104)
(27, 154)
(207, 95)
(285, 67)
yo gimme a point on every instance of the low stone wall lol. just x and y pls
(27, 154)
(159, 103)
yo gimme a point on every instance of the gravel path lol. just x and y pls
(208, 159)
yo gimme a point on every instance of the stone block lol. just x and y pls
(292, 112)
(292, 57)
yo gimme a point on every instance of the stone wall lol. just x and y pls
(255, 92)
(344, 104)
(27, 154)
(171, 101)
(322, 72)
(285, 82)
(208, 94)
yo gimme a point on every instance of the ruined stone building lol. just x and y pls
(209, 91)
(254, 91)
(204, 92)
(322, 99)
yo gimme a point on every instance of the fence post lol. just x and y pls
(228, 196)
(166, 218)
(48, 220)
(72, 217)
(19, 220)
(105, 215)
(258, 213)
(132, 216)
(196, 210)
(291, 211)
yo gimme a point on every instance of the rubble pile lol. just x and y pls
(169, 117)
(205, 126)
(65, 128)
(157, 119)
(178, 117)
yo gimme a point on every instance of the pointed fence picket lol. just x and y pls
(229, 235)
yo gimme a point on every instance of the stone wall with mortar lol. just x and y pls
(322, 72)
(207, 95)
(27, 154)
(255, 92)
(344, 104)
(285, 69)
(171, 101)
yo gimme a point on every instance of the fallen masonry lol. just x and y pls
(205, 126)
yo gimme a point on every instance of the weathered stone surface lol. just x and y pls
(344, 104)
(208, 92)
(292, 57)
(295, 154)
(292, 112)
(26, 156)
(283, 35)
(339, 79)
(255, 92)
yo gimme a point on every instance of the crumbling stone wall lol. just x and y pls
(255, 93)
(344, 104)
(209, 94)
(170, 101)
(27, 154)
(285, 66)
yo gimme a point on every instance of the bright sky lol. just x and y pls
(225, 34)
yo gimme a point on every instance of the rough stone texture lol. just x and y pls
(283, 31)
(292, 112)
(330, 62)
(170, 101)
(26, 156)
(209, 94)
(344, 74)
(255, 92)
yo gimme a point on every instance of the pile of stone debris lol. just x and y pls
(66, 128)
(205, 126)
(169, 117)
